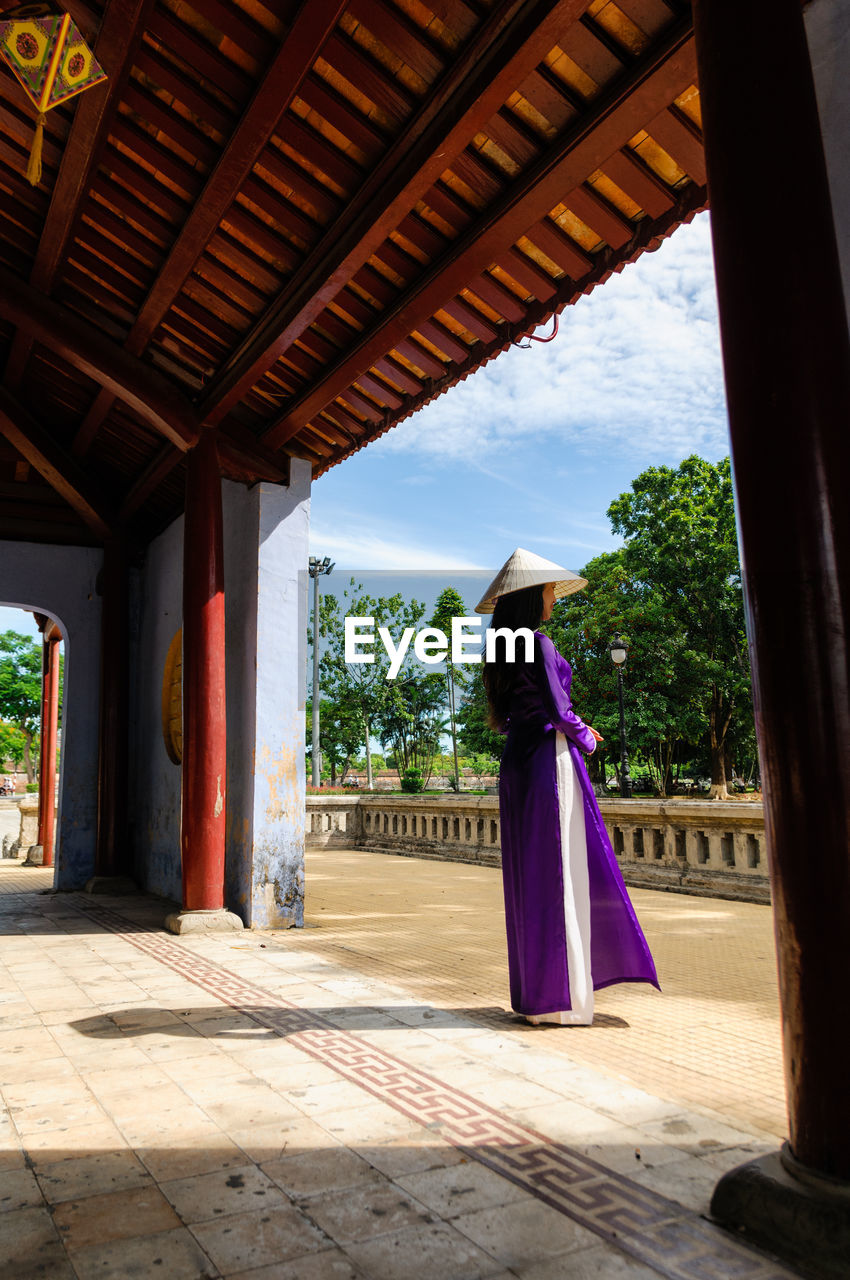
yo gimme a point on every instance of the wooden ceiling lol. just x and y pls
(298, 223)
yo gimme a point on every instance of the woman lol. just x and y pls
(571, 926)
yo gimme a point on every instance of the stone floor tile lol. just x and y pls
(368, 1123)
(117, 1216)
(49, 1145)
(429, 1251)
(401, 1156)
(316, 1172)
(330, 1264)
(695, 1134)
(291, 1079)
(12, 1154)
(248, 1106)
(31, 1071)
(289, 1138)
(530, 1231)
(337, 1095)
(222, 1193)
(172, 1255)
(689, 1181)
(70, 1114)
(212, 1065)
(461, 1188)
(182, 1160)
(19, 1190)
(245, 1240)
(366, 1210)
(28, 1239)
(601, 1263)
(76, 1178)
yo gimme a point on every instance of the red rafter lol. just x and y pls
(120, 36)
(510, 44)
(611, 120)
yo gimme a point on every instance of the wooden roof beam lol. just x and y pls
(296, 55)
(639, 94)
(120, 35)
(511, 42)
(312, 26)
(156, 400)
(60, 471)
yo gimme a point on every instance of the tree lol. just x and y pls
(361, 689)
(12, 745)
(450, 605)
(411, 722)
(661, 692)
(679, 530)
(20, 689)
(342, 735)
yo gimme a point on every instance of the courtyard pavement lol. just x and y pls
(356, 1100)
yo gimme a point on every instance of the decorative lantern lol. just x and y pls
(52, 61)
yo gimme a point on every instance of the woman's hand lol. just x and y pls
(597, 736)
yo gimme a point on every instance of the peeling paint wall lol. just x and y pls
(60, 582)
(828, 34)
(266, 553)
(156, 605)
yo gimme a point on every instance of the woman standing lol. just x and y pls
(571, 926)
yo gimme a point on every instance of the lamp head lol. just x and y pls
(619, 651)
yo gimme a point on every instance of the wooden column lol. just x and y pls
(204, 717)
(112, 856)
(787, 365)
(49, 735)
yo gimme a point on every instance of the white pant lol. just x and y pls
(576, 891)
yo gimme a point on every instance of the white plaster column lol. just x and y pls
(266, 532)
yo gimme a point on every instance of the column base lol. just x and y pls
(117, 885)
(35, 856)
(794, 1212)
(218, 921)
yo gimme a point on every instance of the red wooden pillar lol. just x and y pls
(204, 715)
(787, 365)
(49, 735)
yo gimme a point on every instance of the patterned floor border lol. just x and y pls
(662, 1234)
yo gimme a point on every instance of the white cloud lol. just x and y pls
(369, 543)
(635, 371)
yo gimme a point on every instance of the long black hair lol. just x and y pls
(517, 609)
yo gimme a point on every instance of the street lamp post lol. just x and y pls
(619, 653)
(317, 568)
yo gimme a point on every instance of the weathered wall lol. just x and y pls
(156, 613)
(266, 552)
(265, 556)
(60, 582)
(828, 33)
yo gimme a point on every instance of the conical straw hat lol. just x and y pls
(525, 569)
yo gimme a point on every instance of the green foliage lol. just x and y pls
(450, 605)
(411, 781)
(20, 688)
(341, 734)
(12, 744)
(674, 594)
(360, 693)
(32, 787)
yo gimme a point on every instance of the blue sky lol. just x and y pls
(532, 449)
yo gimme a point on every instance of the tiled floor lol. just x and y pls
(297, 1106)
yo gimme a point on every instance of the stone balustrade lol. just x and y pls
(692, 846)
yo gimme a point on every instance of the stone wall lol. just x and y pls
(705, 847)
